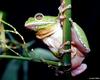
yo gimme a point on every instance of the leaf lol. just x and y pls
(40, 54)
(30, 43)
(11, 37)
(25, 70)
(2, 37)
(1, 15)
(11, 71)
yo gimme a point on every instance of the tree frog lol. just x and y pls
(49, 30)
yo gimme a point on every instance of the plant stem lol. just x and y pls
(2, 34)
(54, 63)
(67, 33)
(15, 57)
(67, 37)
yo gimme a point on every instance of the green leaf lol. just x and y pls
(40, 54)
(11, 37)
(1, 15)
(28, 44)
(25, 70)
(11, 71)
(2, 34)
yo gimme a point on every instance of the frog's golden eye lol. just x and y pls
(39, 16)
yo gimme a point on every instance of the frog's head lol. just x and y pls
(39, 21)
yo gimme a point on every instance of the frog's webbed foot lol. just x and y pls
(62, 9)
(62, 51)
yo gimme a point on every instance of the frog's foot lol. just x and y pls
(63, 7)
(62, 51)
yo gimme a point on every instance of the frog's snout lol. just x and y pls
(31, 27)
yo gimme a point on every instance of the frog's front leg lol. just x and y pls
(62, 9)
(62, 51)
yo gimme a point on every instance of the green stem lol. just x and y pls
(54, 63)
(67, 37)
(67, 33)
(28, 59)
(2, 34)
(15, 57)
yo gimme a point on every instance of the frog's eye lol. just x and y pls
(39, 16)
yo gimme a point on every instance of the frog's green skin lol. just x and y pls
(49, 29)
(79, 38)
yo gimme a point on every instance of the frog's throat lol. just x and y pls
(41, 34)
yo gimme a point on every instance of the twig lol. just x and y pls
(15, 57)
(67, 37)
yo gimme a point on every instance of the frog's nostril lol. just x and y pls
(39, 16)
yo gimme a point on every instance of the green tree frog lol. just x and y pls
(49, 30)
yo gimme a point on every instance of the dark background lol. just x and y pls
(85, 12)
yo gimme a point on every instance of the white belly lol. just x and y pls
(55, 40)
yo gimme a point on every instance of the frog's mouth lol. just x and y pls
(36, 27)
(31, 27)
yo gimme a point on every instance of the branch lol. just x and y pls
(15, 57)
(67, 37)
(67, 33)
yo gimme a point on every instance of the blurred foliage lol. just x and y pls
(18, 52)
(11, 48)
(11, 71)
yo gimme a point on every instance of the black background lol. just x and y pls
(85, 12)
